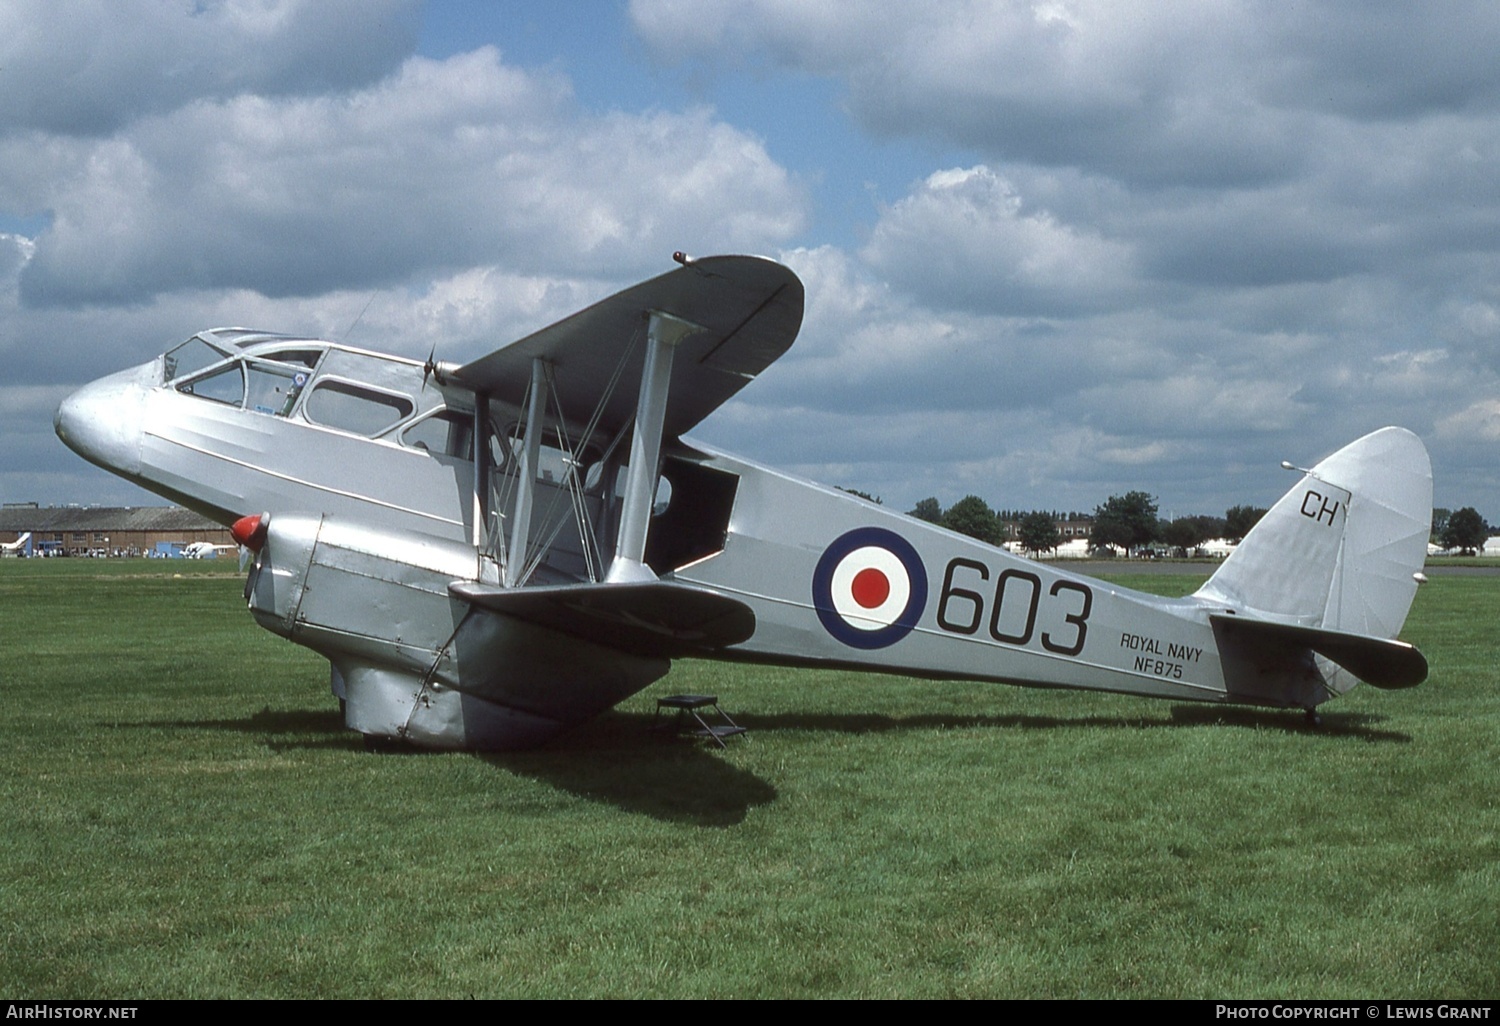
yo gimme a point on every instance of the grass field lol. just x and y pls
(185, 817)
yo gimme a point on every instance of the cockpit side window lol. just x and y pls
(189, 358)
(349, 407)
(222, 386)
(274, 387)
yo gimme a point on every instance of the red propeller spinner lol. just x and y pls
(250, 531)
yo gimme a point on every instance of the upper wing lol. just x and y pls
(750, 308)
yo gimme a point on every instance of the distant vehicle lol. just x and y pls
(490, 553)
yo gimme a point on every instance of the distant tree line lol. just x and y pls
(1037, 530)
(1130, 522)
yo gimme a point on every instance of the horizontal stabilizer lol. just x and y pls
(1380, 662)
(652, 618)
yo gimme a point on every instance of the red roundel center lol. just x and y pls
(870, 587)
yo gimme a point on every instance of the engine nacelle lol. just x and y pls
(417, 662)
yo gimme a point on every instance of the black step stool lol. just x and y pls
(691, 705)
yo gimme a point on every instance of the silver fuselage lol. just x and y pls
(386, 486)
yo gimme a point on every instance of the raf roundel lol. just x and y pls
(869, 588)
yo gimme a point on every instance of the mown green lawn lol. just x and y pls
(186, 817)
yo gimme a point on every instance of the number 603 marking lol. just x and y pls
(1013, 588)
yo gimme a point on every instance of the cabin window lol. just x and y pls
(354, 408)
(553, 463)
(223, 386)
(497, 449)
(189, 358)
(446, 433)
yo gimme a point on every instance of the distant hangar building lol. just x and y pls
(107, 530)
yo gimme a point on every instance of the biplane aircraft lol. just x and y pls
(490, 553)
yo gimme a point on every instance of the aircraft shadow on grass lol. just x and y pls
(673, 782)
(620, 760)
(617, 760)
(632, 735)
(1334, 725)
(1344, 724)
(283, 729)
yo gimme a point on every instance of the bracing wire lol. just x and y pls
(572, 480)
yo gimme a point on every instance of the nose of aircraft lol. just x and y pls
(102, 420)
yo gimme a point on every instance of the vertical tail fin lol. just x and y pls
(1340, 550)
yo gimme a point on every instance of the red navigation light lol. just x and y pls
(251, 531)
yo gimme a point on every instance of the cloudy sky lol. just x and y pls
(1054, 250)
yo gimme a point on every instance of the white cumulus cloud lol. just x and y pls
(446, 164)
(966, 238)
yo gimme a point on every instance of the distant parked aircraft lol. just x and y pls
(206, 550)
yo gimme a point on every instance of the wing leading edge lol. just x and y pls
(749, 308)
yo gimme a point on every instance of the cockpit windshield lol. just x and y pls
(283, 376)
(189, 358)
